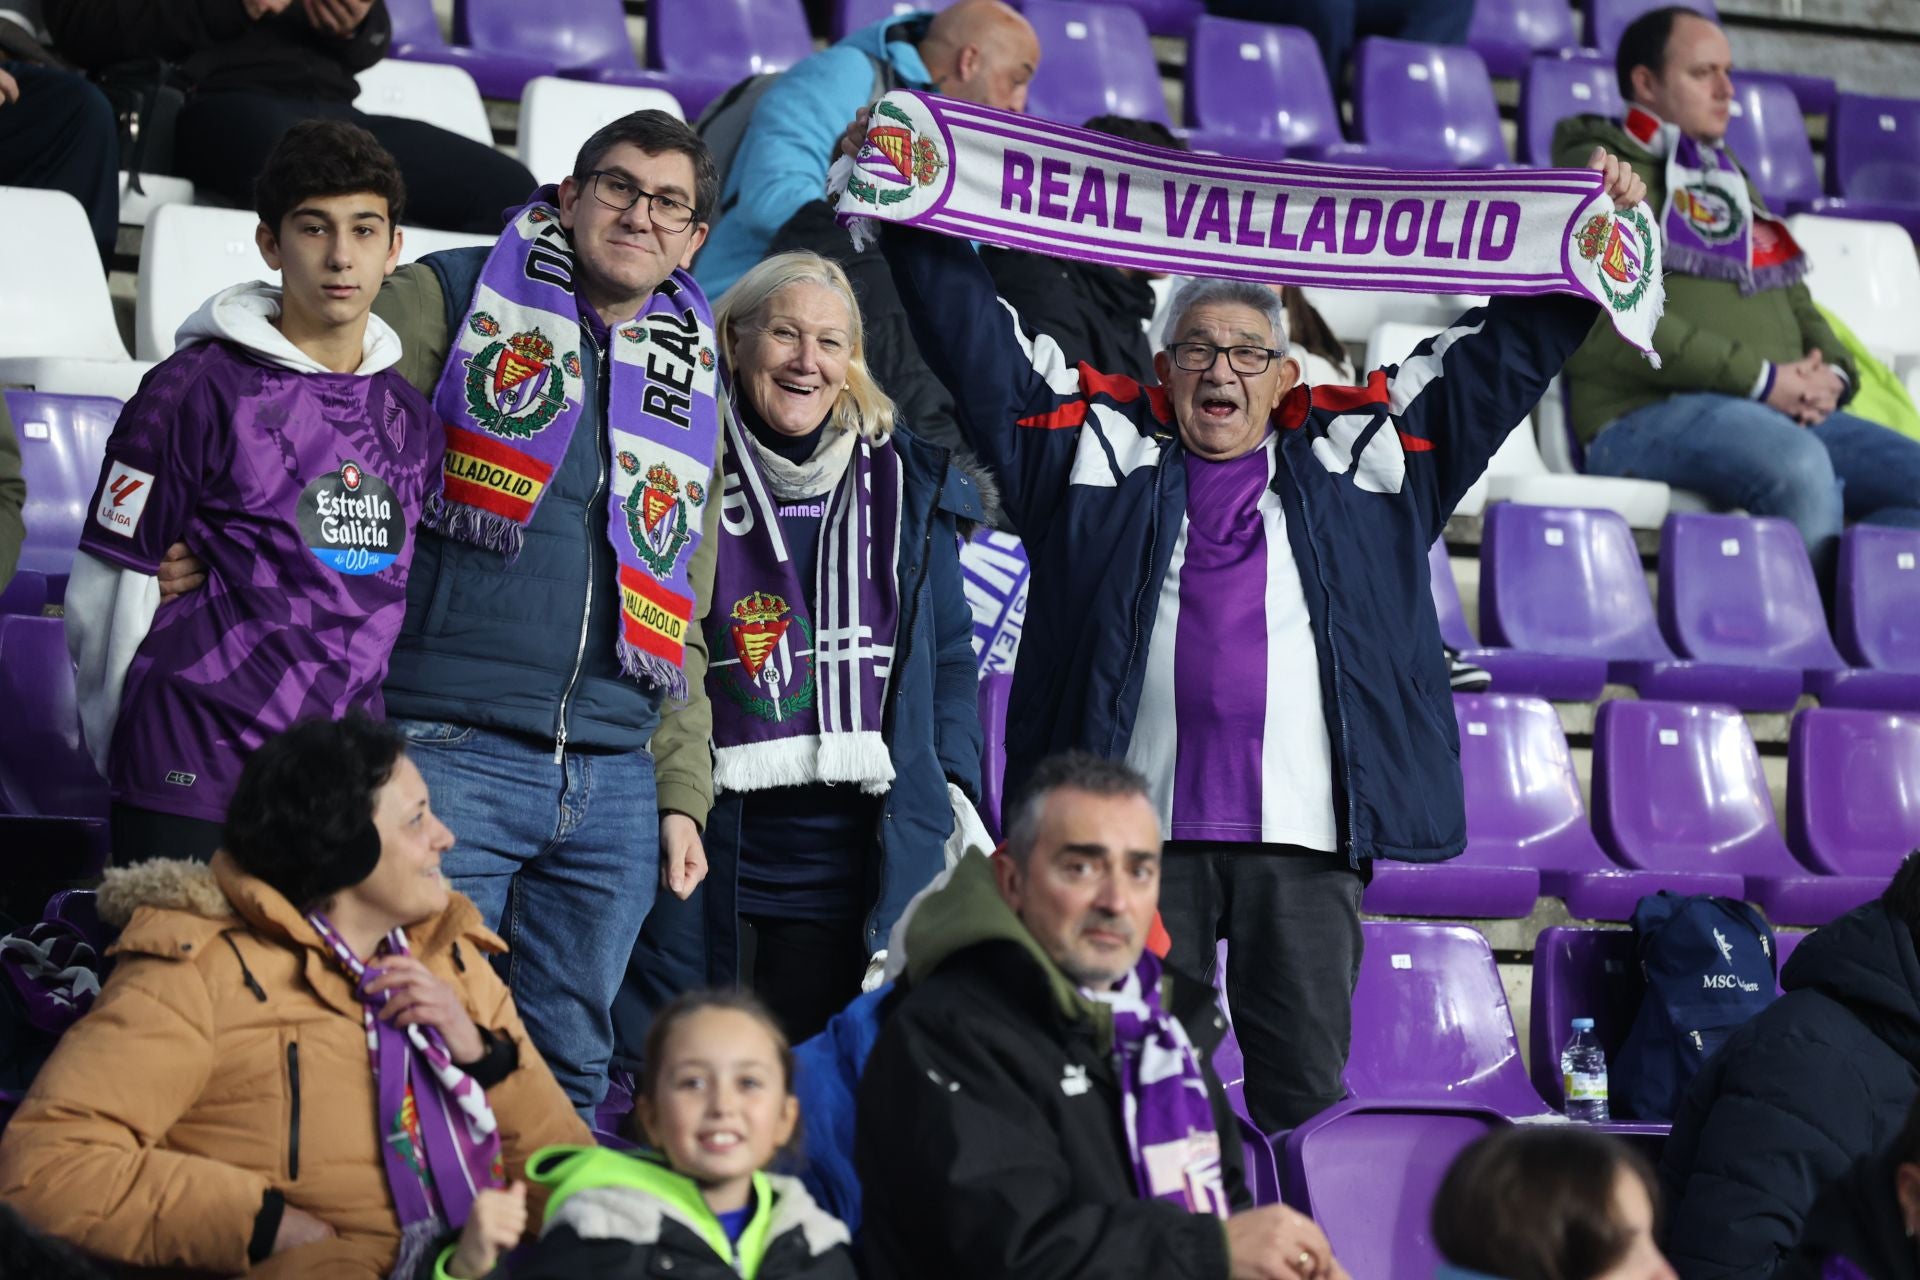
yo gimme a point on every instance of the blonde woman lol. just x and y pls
(841, 675)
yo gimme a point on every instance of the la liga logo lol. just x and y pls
(351, 521)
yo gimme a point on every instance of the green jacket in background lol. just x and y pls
(1712, 337)
(1878, 396)
(13, 498)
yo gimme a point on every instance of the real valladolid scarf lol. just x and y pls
(1013, 180)
(798, 694)
(1711, 226)
(511, 397)
(438, 1136)
(1163, 1091)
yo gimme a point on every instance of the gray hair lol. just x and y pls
(1201, 291)
(1069, 771)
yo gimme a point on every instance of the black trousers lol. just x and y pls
(1291, 918)
(453, 183)
(806, 970)
(140, 834)
(61, 136)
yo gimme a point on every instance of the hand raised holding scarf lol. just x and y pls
(416, 996)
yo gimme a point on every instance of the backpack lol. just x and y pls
(724, 123)
(1709, 965)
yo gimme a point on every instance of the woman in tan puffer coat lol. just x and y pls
(217, 1109)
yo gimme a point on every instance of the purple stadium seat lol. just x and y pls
(1431, 101)
(1561, 676)
(44, 768)
(1508, 33)
(1555, 88)
(1873, 159)
(1368, 1173)
(1877, 620)
(1739, 589)
(1852, 806)
(698, 49)
(62, 442)
(1678, 787)
(1606, 19)
(1815, 95)
(580, 33)
(500, 74)
(1584, 973)
(25, 593)
(1431, 1023)
(81, 909)
(994, 688)
(1568, 580)
(1096, 60)
(1768, 134)
(1166, 17)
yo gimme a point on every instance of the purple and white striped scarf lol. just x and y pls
(1710, 224)
(1163, 1097)
(1013, 180)
(55, 970)
(798, 694)
(438, 1136)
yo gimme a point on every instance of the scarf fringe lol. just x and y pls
(472, 525)
(419, 1241)
(1781, 275)
(669, 679)
(858, 758)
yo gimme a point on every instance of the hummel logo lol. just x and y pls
(1726, 948)
(1073, 1080)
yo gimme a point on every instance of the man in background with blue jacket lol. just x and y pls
(1230, 592)
(977, 50)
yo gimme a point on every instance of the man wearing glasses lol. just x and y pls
(505, 678)
(1230, 592)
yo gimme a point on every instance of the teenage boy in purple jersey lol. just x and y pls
(281, 444)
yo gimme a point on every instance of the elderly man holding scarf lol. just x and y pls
(1745, 406)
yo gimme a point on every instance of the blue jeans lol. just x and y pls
(1740, 453)
(563, 862)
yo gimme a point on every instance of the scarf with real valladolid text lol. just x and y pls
(1710, 224)
(1163, 1097)
(1025, 183)
(511, 395)
(798, 692)
(438, 1136)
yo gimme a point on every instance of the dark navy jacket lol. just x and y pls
(1090, 470)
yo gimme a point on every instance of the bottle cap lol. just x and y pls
(1583, 1024)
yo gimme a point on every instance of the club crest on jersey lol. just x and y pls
(514, 387)
(771, 674)
(898, 157)
(657, 515)
(1618, 245)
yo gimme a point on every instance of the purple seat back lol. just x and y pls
(1258, 80)
(1556, 88)
(1678, 787)
(81, 909)
(44, 767)
(1739, 589)
(580, 33)
(1565, 580)
(1873, 148)
(414, 26)
(1429, 100)
(1852, 805)
(1768, 135)
(1095, 60)
(1523, 796)
(1446, 597)
(1606, 19)
(63, 440)
(1166, 17)
(25, 592)
(1580, 973)
(1877, 621)
(1368, 1177)
(1508, 33)
(727, 40)
(1431, 1022)
(994, 688)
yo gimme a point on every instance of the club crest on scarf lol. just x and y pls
(771, 675)
(657, 518)
(514, 388)
(1617, 244)
(898, 157)
(1712, 216)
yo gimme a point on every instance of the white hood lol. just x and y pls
(244, 314)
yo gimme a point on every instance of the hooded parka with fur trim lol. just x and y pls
(225, 1059)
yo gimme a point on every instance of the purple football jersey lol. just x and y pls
(301, 492)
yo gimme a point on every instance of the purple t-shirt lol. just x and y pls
(300, 491)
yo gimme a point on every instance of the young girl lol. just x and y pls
(716, 1104)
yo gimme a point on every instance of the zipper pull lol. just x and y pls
(560, 744)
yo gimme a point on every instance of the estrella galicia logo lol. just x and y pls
(351, 520)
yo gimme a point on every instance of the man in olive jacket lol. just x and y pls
(1745, 405)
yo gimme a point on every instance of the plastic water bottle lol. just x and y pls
(1583, 1074)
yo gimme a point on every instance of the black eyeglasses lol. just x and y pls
(1198, 357)
(619, 192)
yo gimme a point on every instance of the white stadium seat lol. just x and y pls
(446, 96)
(57, 331)
(1866, 273)
(156, 189)
(557, 115)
